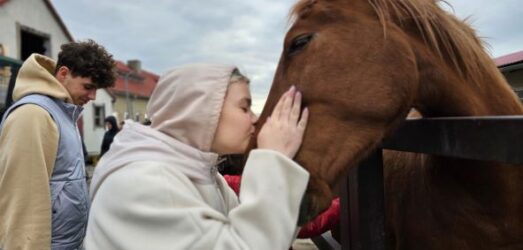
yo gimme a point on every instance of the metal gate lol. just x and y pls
(494, 138)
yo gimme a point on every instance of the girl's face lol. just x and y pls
(236, 124)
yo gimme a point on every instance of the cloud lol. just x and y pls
(498, 23)
(167, 33)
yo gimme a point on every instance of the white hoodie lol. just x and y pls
(158, 188)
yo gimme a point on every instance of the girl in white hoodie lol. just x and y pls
(158, 187)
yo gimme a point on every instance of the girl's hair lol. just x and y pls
(236, 76)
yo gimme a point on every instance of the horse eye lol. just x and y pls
(299, 43)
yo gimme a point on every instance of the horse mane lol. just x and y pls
(452, 40)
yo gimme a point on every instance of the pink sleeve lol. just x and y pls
(234, 182)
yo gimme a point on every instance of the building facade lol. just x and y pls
(132, 90)
(93, 126)
(511, 66)
(126, 100)
(31, 26)
(26, 27)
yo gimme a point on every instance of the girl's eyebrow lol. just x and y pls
(246, 100)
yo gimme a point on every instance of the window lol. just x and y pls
(33, 41)
(99, 115)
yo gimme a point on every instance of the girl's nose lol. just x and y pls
(254, 118)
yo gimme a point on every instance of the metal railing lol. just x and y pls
(362, 222)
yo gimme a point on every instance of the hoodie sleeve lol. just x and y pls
(29, 141)
(321, 224)
(162, 210)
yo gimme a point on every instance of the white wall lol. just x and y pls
(33, 14)
(93, 135)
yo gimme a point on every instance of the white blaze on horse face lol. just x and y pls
(236, 125)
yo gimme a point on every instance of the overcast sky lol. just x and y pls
(247, 33)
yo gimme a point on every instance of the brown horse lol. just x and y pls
(361, 66)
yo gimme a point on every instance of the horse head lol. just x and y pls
(361, 65)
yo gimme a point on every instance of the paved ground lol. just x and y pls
(304, 244)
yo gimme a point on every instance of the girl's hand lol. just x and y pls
(283, 131)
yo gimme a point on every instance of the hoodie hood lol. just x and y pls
(36, 76)
(184, 109)
(187, 102)
(137, 142)
(114, 125)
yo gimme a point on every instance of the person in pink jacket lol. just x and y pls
(158, 186)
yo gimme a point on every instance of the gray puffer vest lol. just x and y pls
(69, 196)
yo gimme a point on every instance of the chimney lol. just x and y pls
(135, 65)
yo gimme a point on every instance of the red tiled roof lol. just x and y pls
(509, 59)
(141, 84)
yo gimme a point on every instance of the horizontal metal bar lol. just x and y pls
(8, 61)
(326, 242)
(490, 138)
